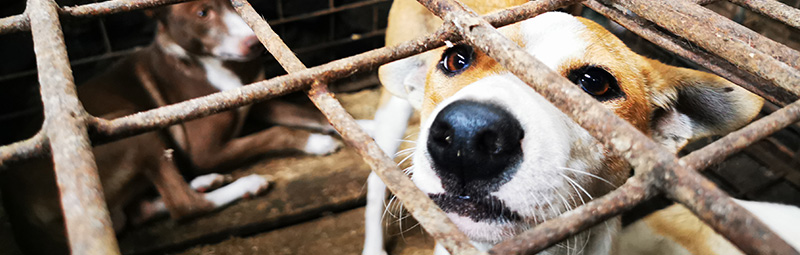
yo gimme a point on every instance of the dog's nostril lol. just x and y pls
(441, 133)
(471, 140)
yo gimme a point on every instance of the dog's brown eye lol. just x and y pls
(597, 82)
(202, 13)
(456, 59)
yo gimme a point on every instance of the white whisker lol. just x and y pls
(575, 184)
(406, 158)
(404, 151)
(589, 174)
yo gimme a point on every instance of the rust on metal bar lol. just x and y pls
(19, 23)
(325, 12)
(773, 9)
(35, 146)
(415, 201)
(744, 48)
(648, 31)
(550, 232)
(14, 23)
(85, 214)
(717, 151)
(613, 132)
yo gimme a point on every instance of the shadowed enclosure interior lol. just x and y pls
(322, 31)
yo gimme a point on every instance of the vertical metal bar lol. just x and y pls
(417, 203)
(87, 220)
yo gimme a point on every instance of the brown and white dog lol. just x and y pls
(499, 158)
(200, 48)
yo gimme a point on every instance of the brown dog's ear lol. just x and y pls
(690, 104)
(159, 13)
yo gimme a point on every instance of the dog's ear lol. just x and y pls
(405, 78)
(159, 14)
(691, 104)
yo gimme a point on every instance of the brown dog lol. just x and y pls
(201, 47)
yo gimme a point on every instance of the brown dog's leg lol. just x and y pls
(260, 143)
(176, 195)
(291, 114)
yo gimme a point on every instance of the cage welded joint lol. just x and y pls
(764, 67)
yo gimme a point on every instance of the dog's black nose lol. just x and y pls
(472, 141)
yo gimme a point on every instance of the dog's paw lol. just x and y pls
(244, 187)
(321, 144)
(252, 185)
(208, 182)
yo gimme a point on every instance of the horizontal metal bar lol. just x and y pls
(744, 48)
(36, 146)
(681, 47)
(325, 12)
(717, 151)
(86, 217)
(19, 23)
(550, 232)
(773, 9)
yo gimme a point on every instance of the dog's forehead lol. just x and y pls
(553, 38)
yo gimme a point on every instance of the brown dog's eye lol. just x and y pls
(456, 59)
(203, 12)
(597, 82)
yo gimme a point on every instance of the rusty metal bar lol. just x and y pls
(648, 31)
(550, 232)
(325, 12)
(717, 151)
(773, 9)
(415, 201)
(85, 214)
(35, 146)
(744, 48)
(19, 23)
(614, 132)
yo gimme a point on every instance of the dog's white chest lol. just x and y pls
(220, 77)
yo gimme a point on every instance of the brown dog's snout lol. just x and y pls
(474, 142)
(250, 45)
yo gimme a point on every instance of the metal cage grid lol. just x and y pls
(746, 58)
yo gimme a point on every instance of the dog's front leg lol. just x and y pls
(289, 114)
(391, 121)
(177, 197)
